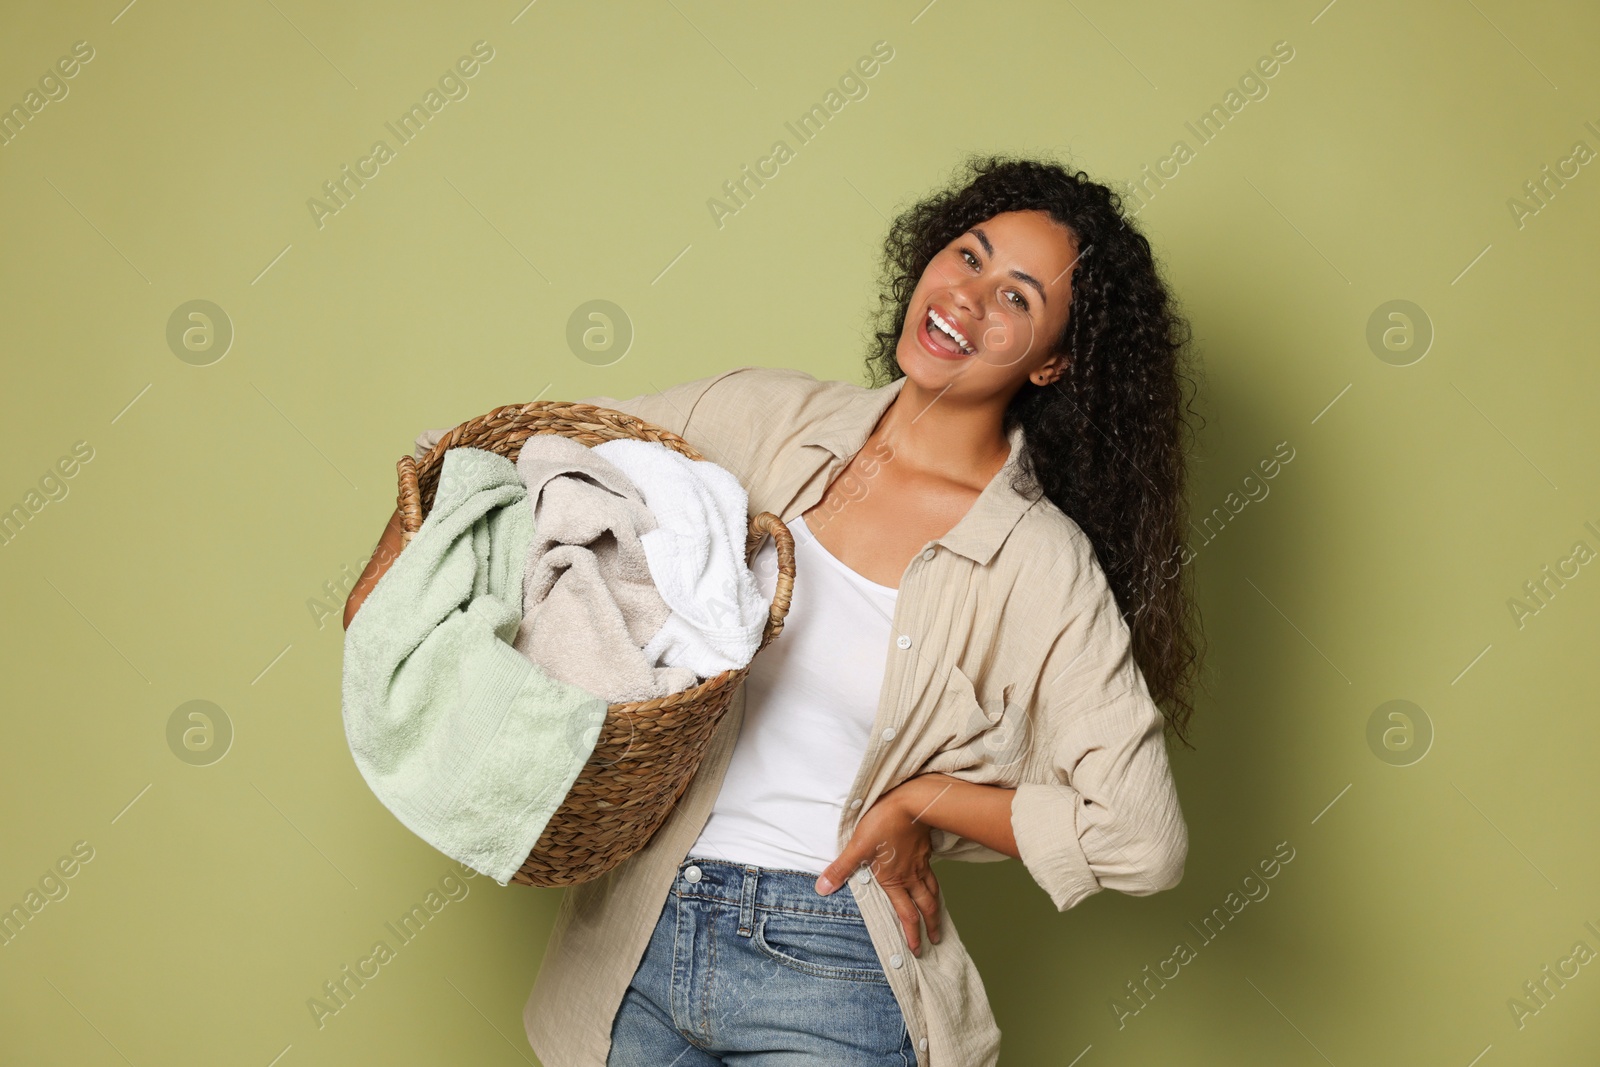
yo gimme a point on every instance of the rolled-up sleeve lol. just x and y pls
(1102, 811)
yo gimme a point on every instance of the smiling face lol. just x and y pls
(989, 306)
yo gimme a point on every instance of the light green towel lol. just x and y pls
(471, 744)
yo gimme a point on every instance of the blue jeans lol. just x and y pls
(749, 967)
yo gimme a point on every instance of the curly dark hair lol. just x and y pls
(1107, 441)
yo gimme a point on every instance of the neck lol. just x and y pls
(933, 433)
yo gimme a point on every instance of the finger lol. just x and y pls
(909, 916)
(838, 872)
(932, 883)
(927, 906)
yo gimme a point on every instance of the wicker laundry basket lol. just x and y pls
(648, 750)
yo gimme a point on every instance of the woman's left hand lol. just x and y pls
(891, 841)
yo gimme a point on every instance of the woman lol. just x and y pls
(1001, 515)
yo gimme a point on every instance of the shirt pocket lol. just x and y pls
(993, 734)
(981, 728)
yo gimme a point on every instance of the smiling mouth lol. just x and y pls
(945, 335)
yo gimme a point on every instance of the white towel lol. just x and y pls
(696, 557)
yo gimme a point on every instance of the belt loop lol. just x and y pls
(747, 900)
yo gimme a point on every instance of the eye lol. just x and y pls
(1020, 301)
(972, 260)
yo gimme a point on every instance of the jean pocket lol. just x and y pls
(820, 947)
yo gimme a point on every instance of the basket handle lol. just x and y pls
(409, 500)
(761, 525)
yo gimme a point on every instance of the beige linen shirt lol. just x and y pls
(1009, 665)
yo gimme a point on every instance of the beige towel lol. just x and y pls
(589, 603)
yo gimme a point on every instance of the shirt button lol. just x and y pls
(895, 960)
(692, 874)
(863, 876)
(888, 734)
(904, 641)
(922, 1046)
(927, 553)
(856, 803)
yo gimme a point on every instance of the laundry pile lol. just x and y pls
(479, 669)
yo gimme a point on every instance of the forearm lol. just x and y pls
(980, 813)
(388, 547)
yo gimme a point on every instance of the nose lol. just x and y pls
(964, 295)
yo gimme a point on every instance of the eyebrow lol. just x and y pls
(988, 250)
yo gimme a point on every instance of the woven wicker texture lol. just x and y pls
(648, 750)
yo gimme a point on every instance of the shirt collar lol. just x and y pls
(993, 515)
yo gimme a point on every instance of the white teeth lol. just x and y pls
(951, 331)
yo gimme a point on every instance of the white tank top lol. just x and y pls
(810, 700)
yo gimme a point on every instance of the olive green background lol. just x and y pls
(223, 501)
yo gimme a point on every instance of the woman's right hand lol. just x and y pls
(896, 845)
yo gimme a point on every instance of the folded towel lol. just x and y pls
(589, 604)
(469, 743)
(696, 557)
